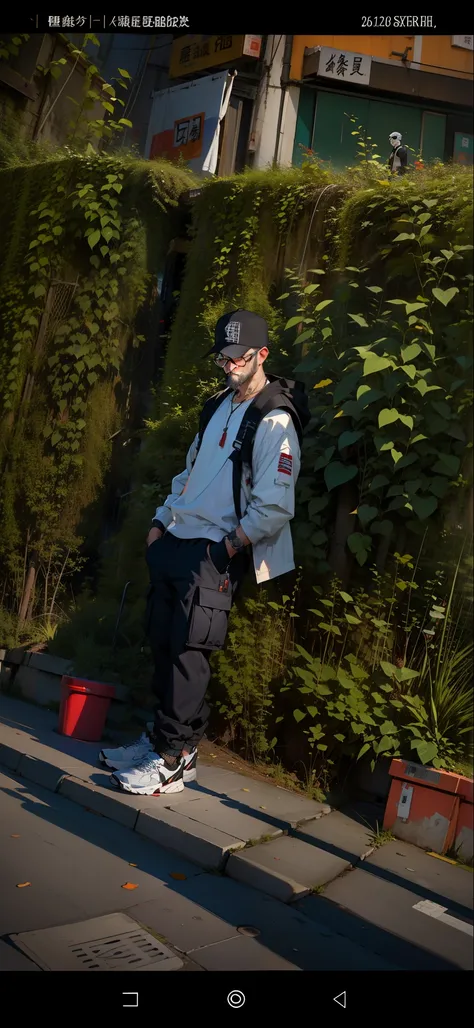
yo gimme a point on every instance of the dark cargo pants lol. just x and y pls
(187, 613)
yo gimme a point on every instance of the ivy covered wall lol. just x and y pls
(347, 272)
(84, 238)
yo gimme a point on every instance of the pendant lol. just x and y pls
(223, 439)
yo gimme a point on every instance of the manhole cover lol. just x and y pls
(111, 943)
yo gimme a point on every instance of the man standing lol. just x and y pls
(199, 548)
(398, 160)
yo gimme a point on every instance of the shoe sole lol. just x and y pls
(149, 790)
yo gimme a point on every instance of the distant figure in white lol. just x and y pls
(398, 160)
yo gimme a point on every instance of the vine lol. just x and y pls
(392, 382)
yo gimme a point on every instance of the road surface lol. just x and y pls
(368, 919)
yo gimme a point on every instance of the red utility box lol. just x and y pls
(431, 808)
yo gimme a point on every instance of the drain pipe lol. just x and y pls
(284, 80)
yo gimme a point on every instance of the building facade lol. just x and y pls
(420, 86)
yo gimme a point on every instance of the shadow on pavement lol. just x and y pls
(316, 943)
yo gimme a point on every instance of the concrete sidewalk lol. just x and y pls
(260, 834)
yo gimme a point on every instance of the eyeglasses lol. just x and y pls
(239, 362)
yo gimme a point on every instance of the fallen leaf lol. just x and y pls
(245, 790)
(14, 836)
(178, 876)
(213, 755)
(263, 808)
(129, 885)
(132, 865)
(411, 869)
(276, 858)
(23, 885)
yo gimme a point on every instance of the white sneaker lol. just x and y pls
(190, 767)
(121, 758)
(151, 777)
(190, 760)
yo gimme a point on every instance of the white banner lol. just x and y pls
(344, 66)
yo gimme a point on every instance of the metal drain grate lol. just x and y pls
(119, 952)
(111, 943)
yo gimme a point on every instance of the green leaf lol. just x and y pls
(388, 728)
(346, 386)
(324, 458)
(363, 750)
(359, 545)
(374, 363)
(378, 482)
(316, 504)
(94, 238)
(445, 295)
(346, 597)
(396, 455)
(448, 464)
(386, 743)
(409, 370)
(337, 474)
(298, 715)
(348, 439)
(407, 420)
(329, 628)
(403, 236)
(412, 307)
(351, 619)
(359, 320)
(410, 352)
(125, 74)
(423, 506)
(426, 751)
(294, 321)
(365, 513)
(387, 417)
(108, 106)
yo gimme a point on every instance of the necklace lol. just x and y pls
(233, 409)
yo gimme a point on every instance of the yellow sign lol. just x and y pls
(196, 53)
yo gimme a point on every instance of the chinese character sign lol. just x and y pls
(184, 121)
(465, 42)
(197, 53)
(344, 66)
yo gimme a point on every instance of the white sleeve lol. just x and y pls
(275, 469)
(178, 486)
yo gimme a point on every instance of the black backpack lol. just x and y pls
(278, 394)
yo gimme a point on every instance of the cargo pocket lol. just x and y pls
(208, 620)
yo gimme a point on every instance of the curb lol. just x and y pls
(205, 846)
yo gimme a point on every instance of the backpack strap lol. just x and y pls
(207, 411)
(275, 396)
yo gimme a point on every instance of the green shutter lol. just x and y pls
(304, 123)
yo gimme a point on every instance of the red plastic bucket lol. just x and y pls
(84, 708)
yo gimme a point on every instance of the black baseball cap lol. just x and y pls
(238, 332)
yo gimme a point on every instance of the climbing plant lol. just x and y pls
(392, 383)
(66, 326)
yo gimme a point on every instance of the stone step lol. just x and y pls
(291, 867)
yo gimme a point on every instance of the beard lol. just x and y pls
(237, 379)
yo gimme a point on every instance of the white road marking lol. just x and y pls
(439, 913)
